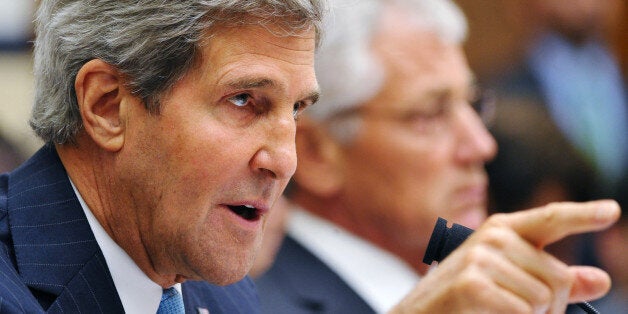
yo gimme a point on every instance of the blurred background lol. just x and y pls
(16, 82)
(501, 30)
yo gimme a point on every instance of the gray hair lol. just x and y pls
(152, 43)
(348, 73)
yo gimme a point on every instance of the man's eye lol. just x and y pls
(429, 113)
(296, 109)
(240, 100)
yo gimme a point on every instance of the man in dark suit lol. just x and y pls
(169, 130)
(393, 144)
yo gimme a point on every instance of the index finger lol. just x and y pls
(552, 222)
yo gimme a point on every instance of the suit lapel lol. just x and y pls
(57, 255)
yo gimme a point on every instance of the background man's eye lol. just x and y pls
(240, 100)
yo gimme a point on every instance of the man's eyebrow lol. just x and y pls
(313, 96)
(247, 83)
(252, 83)
(437, 93)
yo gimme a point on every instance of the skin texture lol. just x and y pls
(160, 184)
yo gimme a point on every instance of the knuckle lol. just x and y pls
(556, 205)
(543, 298)
(470, 283)
(496, 237)
(523, 309)
(477, 256)
(550, 214)
(498, 219)
(563, 278)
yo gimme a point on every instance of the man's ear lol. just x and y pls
(99, 92)
(319, 158)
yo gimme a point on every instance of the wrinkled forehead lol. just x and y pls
(256, 43)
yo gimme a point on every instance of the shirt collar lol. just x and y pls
(137, 292)
(389, 279)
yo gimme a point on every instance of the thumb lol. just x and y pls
(590, 283)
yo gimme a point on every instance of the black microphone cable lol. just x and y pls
(444, 240)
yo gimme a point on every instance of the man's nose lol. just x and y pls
(278, 155)
(476, 142)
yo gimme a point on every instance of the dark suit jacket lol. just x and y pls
(299, 282)
(51, 262)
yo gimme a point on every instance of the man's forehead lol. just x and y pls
(277, 30)
(247, 56)
(255, 44)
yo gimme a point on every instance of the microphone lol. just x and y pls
(444, 240)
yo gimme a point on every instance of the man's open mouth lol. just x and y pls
(247, 212)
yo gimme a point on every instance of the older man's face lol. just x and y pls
(421, 149)
(205, 171)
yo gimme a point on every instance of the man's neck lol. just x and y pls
(93, 173)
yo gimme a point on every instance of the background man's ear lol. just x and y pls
(319, 159)
(99, 92)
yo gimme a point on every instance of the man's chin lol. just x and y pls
(227, 275)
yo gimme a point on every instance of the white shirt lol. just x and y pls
(137, 292)
(378, 277)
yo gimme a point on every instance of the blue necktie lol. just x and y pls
(171, 302)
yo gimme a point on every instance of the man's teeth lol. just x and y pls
(247, 212)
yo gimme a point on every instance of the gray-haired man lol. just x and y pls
(170, 133)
